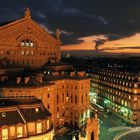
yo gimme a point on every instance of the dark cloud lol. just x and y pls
(114, 19)
(121, 48)
(99, 42)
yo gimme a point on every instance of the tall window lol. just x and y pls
(48, 124)
(4, 134)
(19, 131)
(39, 127)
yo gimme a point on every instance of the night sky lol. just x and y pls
(101, 25)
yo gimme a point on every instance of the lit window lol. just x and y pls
(67, 99)
(31, 44)
(135, 85)
(57, 116)
(22, 44)
(3, 114)
(135, 91)
(39, 128)
(27, 43)
(12, 131)
(5, 134)
(122, 102)
(19, 131)
(36, 110)
(113, 98)
(125, 103)
(48, 124)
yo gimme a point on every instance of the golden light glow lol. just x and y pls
(124, 45)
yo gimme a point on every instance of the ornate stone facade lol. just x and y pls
(64, 92)
(24, 43)
(66, 98)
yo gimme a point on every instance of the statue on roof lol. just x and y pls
(58, 32)
(27, 13)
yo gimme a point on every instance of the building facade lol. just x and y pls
(64, 92)
(22, 118)
(67, 98)
(118, 92)
(24, 43)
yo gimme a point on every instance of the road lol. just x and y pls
(110, 125)
(131, 134)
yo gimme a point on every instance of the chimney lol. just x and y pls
(72, 74)
(18, 80)
(81, 73)
(39, 77)
(26, 79)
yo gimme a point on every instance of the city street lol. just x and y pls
(110, 125)
(132, 134)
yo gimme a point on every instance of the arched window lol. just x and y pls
(27, 43)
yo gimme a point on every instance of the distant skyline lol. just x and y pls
(105, 25)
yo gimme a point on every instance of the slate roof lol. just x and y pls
(20, 110)
(10, 118)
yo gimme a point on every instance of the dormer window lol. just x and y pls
(27, 43)
(3, 114)
(36, 109)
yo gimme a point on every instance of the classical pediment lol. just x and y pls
(13, 31)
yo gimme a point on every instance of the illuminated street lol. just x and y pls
(132, 134)
(110, 125)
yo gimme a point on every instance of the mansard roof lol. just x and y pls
(14, 110)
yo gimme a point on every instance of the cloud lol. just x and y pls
(46, 29)
(79, 18)
(41, 15)
(120, 48)
(99, 42)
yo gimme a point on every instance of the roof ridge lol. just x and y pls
(21, 115)
(12, 23)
